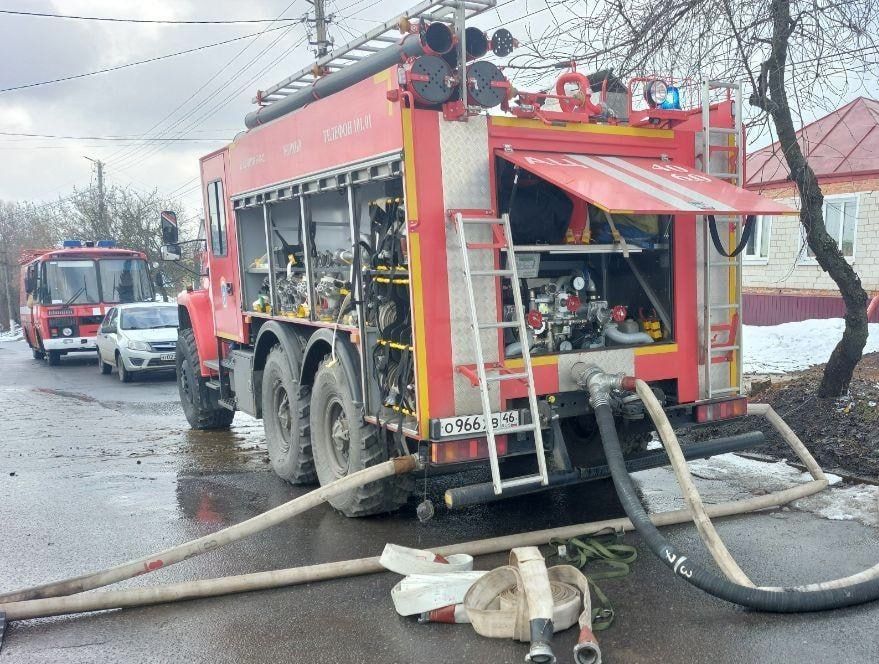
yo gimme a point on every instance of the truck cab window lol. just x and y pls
(125, 280)
(71, 282)
(217, 218)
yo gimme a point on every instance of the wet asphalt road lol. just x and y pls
(94, 472)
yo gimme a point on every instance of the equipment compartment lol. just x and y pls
(589, 279)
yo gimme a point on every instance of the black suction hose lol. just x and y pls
(782, 601)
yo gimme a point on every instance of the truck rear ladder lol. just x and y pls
(487, 374)
(729, 304)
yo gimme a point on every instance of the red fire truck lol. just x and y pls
(66, 292)
(405, 253)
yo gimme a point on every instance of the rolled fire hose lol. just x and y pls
(196, 547)
(818, 597)
(528, 602)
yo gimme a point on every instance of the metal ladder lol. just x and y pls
(731, 350)
(486, 374)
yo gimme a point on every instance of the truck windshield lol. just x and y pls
(72, 282)
(125, 280)
(148, 318)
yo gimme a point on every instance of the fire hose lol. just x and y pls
(60, 598)
(737, 588)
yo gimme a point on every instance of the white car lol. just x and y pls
(138, 338)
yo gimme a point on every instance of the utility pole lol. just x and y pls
(100, 167)
(320, 27)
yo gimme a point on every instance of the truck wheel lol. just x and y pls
(124, 374)
(344, 443)
(54, 358)
(584, 445)
(199, 403)
(285, 405)
(38, 354)
(105, 368)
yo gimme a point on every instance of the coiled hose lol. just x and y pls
(778, 600)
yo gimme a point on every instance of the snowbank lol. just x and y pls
(12, 335)
(796, 346)
(731, 477)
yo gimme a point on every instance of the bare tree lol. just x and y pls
(800, 57)
(22, 226)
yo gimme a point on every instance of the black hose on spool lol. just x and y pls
(782, 601)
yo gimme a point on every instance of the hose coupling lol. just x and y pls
(599, 384)
(586, 651)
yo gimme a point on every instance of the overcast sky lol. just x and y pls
(154, 99)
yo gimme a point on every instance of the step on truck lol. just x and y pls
(405, 253)
(65, 293)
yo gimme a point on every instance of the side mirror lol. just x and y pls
(29, 284)
(170, 233)
(171, 252)
(159, 279)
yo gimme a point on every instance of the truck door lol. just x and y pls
(223, 252)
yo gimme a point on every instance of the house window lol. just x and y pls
(758, 244)
(841, 221)
(217, 218)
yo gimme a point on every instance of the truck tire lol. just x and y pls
(54, 358)
(343, 443)
(584, 444)
(106, 369)
(285, 406)
(198, 401)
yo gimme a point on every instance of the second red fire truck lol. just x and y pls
(392, 267)
(65, 293)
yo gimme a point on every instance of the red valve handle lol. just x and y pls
(580, 104)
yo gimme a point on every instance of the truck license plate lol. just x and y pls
(167, 357)
(464, 424)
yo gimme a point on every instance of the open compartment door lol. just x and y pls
(638, 185)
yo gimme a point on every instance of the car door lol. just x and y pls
(106, 339)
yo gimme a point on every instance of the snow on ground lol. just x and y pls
(11, 335)
(731, 477)
(795, 346)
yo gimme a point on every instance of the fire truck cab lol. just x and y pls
(66, 292)
(394, 267)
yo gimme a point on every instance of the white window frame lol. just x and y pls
(805, 259)
(760, 227)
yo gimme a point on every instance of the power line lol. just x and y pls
(104, 138)
(154, 149)
(139, 62)
(143, 20)
(126, 153)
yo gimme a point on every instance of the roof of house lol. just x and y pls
(844, 143)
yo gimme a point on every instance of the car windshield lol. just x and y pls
(148, 318)
(72, 282)
(125, 280)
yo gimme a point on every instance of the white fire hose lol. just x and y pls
(523, 600)
(60, 598)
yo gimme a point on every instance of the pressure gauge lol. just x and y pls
(579, 283)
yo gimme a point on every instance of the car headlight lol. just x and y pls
(66, 331)
(139, 345)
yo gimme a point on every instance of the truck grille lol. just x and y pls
(61, 311)
(62, 321)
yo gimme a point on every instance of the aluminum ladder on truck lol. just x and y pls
(726, 141)
(483, 375)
